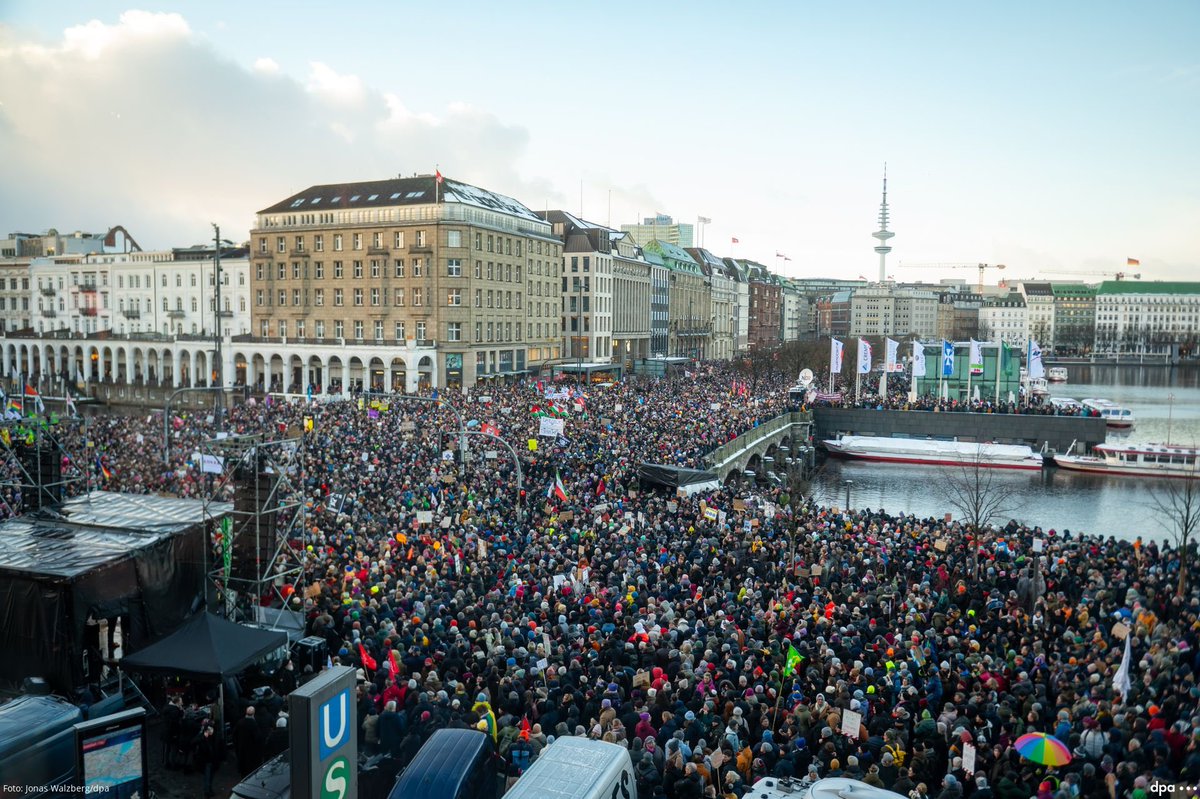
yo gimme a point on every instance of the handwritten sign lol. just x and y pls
(968, 758)
(549, 427)
(851, 720)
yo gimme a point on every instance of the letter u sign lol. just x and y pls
(334, 724)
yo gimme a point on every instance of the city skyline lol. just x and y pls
(1045, 139)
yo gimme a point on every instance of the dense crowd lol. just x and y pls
(598, 606)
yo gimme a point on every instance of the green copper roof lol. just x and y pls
(1147, 287)
(1074, 290)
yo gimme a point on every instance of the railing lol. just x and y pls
(175, 314)
(225, 314)
(88, 311)
(384, 251)
(87, 287)
(730, 450)
(49, 291)
(49, 312)
(131, 313)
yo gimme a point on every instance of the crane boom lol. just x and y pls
(979, 266)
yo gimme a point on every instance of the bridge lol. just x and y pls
(777, 438)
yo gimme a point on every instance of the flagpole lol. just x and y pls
(999, 365)
(969, 375)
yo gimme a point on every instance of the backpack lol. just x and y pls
(897, 754)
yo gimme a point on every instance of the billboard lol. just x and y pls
(324, 736)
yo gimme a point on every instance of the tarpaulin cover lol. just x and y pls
(673, 476)
(57, 571)
(206, 647)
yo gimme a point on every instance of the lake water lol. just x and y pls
(1164, 401)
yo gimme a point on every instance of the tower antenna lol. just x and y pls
(883, 234)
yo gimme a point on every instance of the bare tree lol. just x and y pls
(1178, 505)
(980, 495)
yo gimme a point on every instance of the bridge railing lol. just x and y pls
(727, 452)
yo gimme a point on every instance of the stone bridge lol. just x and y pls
(778, 438)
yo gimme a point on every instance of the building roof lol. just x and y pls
(1147, 287)
(1013, 299)
(420, 190)
(1038, 289)
(1073, 290)
(674, 257)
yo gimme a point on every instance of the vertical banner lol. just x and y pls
(835, 356)
(918, 359)
(947, 359)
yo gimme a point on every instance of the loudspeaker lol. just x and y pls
(311, 651)
(44, 465)
(255, 521)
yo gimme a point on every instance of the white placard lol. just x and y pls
(491, 454)
(618, 407)
(1038, 545)
(550, 427)
(721, 517)
(484, 398)
(212, 464)
(424, 517)
(851, 720)
(448, 456)
(968, 757)
(714, 406)
(543, 664)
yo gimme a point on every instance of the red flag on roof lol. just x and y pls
(438, 176)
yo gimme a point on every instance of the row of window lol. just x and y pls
(379, 298)
(375, 269)
(503, 245)
(452, 331)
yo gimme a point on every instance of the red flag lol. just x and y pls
(395, 666)
(367, 661)
(600, 489)
(438, 176)
(734, 240)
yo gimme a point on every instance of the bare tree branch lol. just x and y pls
(1178, 505)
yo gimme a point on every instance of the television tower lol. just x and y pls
(883, 234)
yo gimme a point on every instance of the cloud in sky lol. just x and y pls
(142, 123)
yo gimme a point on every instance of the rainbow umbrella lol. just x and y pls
(1042, 748)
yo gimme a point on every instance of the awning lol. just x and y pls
(206, 647)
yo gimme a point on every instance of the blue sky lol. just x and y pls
(1043, 136)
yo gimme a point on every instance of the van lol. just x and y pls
(578, 768)
(828, 788)
(453, 764)
(37, 741)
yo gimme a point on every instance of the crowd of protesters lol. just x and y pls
(721, 636)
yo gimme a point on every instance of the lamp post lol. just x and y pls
(847, 484)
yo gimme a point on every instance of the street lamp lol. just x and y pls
(847, 484)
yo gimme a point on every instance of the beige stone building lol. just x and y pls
(406, 267)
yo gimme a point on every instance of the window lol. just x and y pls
(490, 331)
(300, 328)
(377, 240)
(178, 281)
(399, 240)
(262, 243)
(479, 331)
(454, 267)
(299, 244)
(357, 243)
(399, 298)
(281, 270)
(319, 242)
(478, 241)
(319, 297)
(489, 299)
(164, 279)
(398, 330)
(379, 330)
(280, 244)
(319, 269)
(264, 328)
(421, 331)
(259, 298)
(453, 238)
(416, 297)
(337, 270)
(258, 274)
(420, 238)
(491, 270)
(399, 266)
(417, 266)
(478, 269)
(454, 297)
(166, 304)
(375, 299)
(339, 328)
(296, 297)
(282, 328)
(478, 298)
(337, 242)
(295, 270)
(374, 267)
(338, 297)
(358, 297)
(358, 328)
(358, 269)
(491, 243)
(454, 331)
(282, 297)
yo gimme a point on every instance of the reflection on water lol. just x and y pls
(1053, 498)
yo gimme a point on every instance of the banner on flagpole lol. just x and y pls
(835, 356)
(918, 359)
(947, 359)
(864, 356)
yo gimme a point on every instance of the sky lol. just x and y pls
(1058, 139)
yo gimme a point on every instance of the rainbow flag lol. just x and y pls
(103, 469)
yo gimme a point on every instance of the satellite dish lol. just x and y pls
(806, 377)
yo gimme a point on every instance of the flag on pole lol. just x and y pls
(835, 356)
(103, 469)
(704, 220)
(558, 489)
(947, 359)
(733, 240)
(601, 488)
(71, 409)
(976, 357)
(864, 356)
(793, 659)
(1132, 262)
(918, 359)
(38, 405)
(1121, 681)
(891, 355)
(1005, 355)
(437, 175)
(778, 254)
(1035, 367)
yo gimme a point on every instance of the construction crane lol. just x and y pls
(1114, 275)
(980, 267)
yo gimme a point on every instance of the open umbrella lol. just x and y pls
(1042, 748)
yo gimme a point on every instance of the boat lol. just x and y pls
(1057, 374)
(1115, 416)
(1142, 460)
(934, 452)
(1033, 386)
(1065, 406)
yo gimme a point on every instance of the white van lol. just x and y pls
(578, 768)
(828, 788)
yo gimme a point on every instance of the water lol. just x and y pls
(1054, 498)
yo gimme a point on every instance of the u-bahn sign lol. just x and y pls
(324, 737)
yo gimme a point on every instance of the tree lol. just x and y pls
(979, 495)
(1178, 505)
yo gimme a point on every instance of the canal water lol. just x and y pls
(1165, 402)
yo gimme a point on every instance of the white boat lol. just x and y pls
(1115, 416)
(1148, 460)
(935, 453)
(1057, 374)
(1066, 406)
